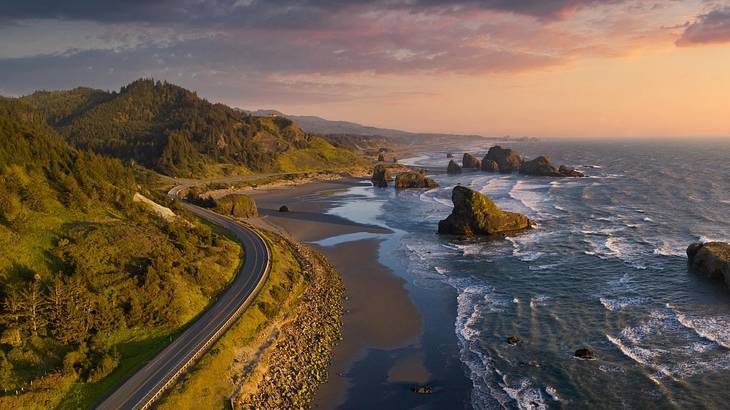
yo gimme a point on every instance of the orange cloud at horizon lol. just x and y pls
(673, 92)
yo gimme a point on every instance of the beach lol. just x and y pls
(378, 311)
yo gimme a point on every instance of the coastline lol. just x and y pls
(379, 314)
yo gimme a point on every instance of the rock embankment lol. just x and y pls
(299, 357)
(475, 214)
(711, 259)
(406, 180)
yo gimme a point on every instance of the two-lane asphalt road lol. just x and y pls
(141, 389)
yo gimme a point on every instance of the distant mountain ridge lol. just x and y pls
(319, 125)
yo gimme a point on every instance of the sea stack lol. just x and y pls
(507, 159)
(475, 214)
(453, 168)
(470, 161)
(408, 180)
(490, 165)
(381, 176)
(543, 167)
(711, 259)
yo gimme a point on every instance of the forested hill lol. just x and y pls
(91, 283)
(173, 131)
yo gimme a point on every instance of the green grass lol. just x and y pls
(208, 384)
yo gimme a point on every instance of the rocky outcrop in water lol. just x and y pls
(543, 167)
(475, 214)
(381, 176)
(381, 157)
(711, 259)
(569, 172)
(540, 166)
(489, 165)
(507, 159)
(584, 353)
(470, 161)
(449, 155)
(453, 168)
(407, 180)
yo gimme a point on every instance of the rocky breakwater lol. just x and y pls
(542, 166)
(406, 180)
(475, 214)
(504, 160)
(300, 355)
(711, 259)
(381, 176)
(470, 162)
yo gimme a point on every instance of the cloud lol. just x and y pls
(713, 27)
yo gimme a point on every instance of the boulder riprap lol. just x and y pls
(381, 176)
(407, 180)
(542, 166)
(507, 159)
(711, 259)
(475, 214)
(584, 353)
(470, 161)
(453, 168)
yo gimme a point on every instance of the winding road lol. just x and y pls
(145, 386)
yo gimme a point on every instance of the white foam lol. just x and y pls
(552, 393)
(714, 329)
(440, 270)
(620, 303)
(666, 249)
(525, 395)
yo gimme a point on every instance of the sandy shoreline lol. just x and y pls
(379, 313)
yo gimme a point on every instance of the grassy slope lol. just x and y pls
(210, 381)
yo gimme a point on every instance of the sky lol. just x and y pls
(546, 68)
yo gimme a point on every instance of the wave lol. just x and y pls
(622, 302)
(525, 395)
(668, 250)
(527, 196)
(714, 329)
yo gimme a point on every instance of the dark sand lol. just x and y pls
(379, 312)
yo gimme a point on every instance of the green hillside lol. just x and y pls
(173, 131)
(91, 283)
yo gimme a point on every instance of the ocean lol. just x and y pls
(605, 268)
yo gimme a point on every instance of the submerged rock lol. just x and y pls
(711, 259)
(507, 159)
(381, 176)
(407, 180)
(570, 172)
(489, 165)
(470, 161)
(584, 353)
(475, 214)
(453, 168)
(513, 340)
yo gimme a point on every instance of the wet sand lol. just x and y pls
(379, 312)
